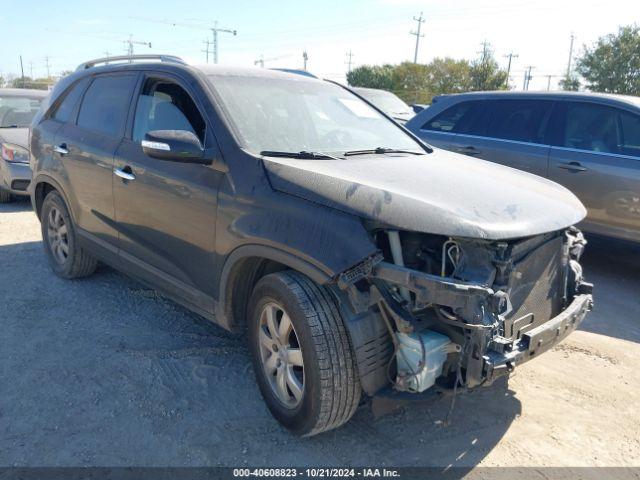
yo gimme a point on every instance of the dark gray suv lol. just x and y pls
(590, 143)
(355, 257)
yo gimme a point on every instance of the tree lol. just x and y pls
(410, 82)
(612, 64)
(375, 76)
(569, 83)
(446, 75)
(28, 82)
(485, 73)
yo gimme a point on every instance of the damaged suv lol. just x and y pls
(355, 257)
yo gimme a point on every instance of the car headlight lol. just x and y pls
(15, 153)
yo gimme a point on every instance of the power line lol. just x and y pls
(420, 21)
(131, 42)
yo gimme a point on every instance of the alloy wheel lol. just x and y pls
(281, 355)
(58, 235)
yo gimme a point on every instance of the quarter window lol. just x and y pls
(630, 125)
(106, 103)
(164, 105)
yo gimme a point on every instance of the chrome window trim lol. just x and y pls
(619, 155)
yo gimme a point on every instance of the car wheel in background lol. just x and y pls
(5, 197)
(66, 257)
(302, 357)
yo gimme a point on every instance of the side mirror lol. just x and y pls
(176, 145)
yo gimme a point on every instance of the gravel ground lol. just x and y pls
(104, 372)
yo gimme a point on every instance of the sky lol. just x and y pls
(375, 31)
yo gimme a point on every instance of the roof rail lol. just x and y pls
(130, 59)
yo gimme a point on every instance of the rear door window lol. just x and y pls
(519, 120)
(105, 105)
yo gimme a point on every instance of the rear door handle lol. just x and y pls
(470, 150)
(573, 167)
(61, 149)
(124, 173)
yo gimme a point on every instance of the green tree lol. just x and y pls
(375, 76)
(446, 75)
(410, 82)
(569, 83)
(28, 82)
(486, 74)
(612, 64)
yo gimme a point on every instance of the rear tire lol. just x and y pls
(66, 258)
(324, 390)
(5, 197)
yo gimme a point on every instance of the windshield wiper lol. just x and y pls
(381, 150)
(303, 155)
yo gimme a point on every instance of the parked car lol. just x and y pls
(17, 108)
(590, 143)
(355, 257)
(388, 102)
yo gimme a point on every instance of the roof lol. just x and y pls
(22, 92)
(222, 70)
(629, 99)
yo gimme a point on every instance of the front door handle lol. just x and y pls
(124, 173)
(61, 149)
(573, 167)
(470, 150)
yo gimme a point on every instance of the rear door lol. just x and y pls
(510, 132)
(86, 146)
(596, 155)
(166, 214)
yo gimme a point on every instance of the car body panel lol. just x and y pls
(441, 193)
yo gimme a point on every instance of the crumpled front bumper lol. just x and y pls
(538, 340)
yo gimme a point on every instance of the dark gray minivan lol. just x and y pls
(590, 143)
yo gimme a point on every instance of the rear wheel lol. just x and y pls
(5, 197)
(66, 257)
(301, 354)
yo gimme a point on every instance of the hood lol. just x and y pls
(441, 193)
(16, 136)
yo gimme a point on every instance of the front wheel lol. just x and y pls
(301, 354)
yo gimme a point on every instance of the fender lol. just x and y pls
(45, 178)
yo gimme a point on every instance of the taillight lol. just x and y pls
(14, 153)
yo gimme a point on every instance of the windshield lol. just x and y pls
(17, 112)
(296, 115)
(386, 101)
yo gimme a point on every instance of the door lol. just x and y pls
(166, 210)
(86, 147)
(596, 155)
(510, 132)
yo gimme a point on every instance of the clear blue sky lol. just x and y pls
(376, 31)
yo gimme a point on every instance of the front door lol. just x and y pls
(166, 210)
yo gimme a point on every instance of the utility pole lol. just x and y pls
(206, 48)
(570, 55)
(420, 21)
(215, 31)
(130, 43)
(485, 50)
(46, 61)
(349, 61)
(107, 55)
(527, 77)
(31, 70)
(22, 71)
(510, 56)
(305, 57)
(549, 81)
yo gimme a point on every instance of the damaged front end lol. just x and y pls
(460, 311)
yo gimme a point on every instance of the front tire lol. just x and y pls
(66, 257)
(302, 357)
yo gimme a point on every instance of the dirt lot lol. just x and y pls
(102, 371)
